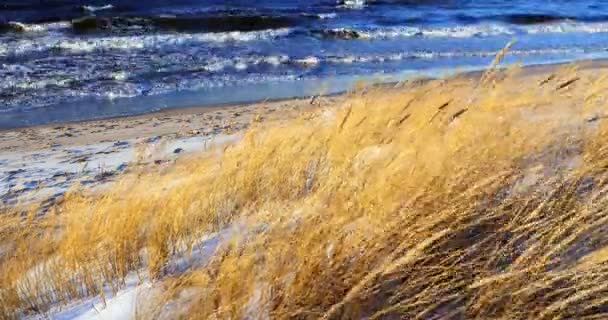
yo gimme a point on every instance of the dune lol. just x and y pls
(472, 196)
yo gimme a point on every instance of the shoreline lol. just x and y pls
(511, 141)
(42, 162)
(173, 111)
(235, 116)
(213, 107)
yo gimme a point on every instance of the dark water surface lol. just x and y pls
(75, 59)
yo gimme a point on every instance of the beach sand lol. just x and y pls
(40, 163)
(556, 102)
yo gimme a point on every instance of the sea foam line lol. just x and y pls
(84, 45)
(469, 31)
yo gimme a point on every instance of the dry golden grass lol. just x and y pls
(444, 199)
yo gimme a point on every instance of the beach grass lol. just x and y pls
(465, 197)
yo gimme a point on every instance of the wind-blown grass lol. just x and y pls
(444, 199)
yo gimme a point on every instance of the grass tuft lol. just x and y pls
(444, 198)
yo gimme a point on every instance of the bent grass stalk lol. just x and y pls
(363, 210)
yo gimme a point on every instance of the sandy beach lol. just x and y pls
(364, 159)
(347, 159)
(40, 163)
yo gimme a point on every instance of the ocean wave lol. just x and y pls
(94, 9)
(41, 94)
(569, 27)
(351, 4)
(79, 45)
(19, 27)
(125, 43)
(142, 36)
(340, 33)
(381, 58)
(307, 61)
(219, 65)
(23, 78)
(406, 31)
(214, 23)
(23, 85)
(242, 63)
(126, 91)
(31, 84)
(463, 31)
(324, 16)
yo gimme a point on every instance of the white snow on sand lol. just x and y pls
(42, 174)
(122, 306)
(119, 307)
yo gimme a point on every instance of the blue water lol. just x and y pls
(64, 60)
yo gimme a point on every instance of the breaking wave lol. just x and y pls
(94, 9)
(352, 4)
(463, 31)
(19, 27)
(149, 41)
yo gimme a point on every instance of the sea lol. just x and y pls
(68, 60)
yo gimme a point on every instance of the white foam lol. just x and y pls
(436, 32)
(308, 61)
(379, 58)
(352, 4)
(42, 83)
(42, 27)
(217, 64)
(63, 41)
(241, 65)
(98, 8)
(479, 30)
(324, 16)
(84, 45)
(20, 77)
(119, 75)
(15, 68)
(101, 44)
(276, 60)
(568, 27)
(113, 95)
